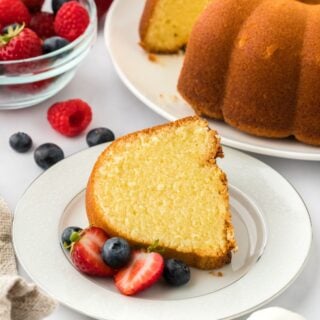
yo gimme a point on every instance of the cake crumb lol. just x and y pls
(152, 57)
(218, 274)
(175, 98)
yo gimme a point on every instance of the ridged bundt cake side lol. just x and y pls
(256, 64)
(163, 184)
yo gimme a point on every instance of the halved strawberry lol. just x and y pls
(85, 253)
(142, 272)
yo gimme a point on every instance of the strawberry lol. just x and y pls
(71, 20)
(143, 271)
(19, 43)
(12, 11)
(102, 6)
(33, 5)
(42, 24)
(85, 253)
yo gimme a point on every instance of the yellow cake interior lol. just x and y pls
(171, 23)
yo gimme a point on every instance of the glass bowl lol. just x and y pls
(24, 83)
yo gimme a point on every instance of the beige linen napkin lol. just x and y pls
(18, 299)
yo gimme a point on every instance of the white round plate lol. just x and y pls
(267, 213)
(154, 83)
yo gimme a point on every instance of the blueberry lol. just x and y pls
(12, 26)
(176, 272)
(57, 4)
(98, 136)
(20, 142)
(47, 155)
(53, 44)
(116, 252)
(69, 235)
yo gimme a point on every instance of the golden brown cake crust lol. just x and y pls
(255, 64)
(144, 22)
(201, 261)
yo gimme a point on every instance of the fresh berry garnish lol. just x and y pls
(98, 136)
(48, 154)
(13, 11)
(71, 117)
(57, 4)
(20, 142)
(33, 5)
(19, 43)
(85, 253)
(42, 24)
(53, 44)
(102, 6)
(143, 270)
(116, 252)
(71, 20)
(69, 235)
(176, 272)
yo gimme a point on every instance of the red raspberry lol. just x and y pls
(71, 20)
(33, 5)
(12, 11)
(42, 24)
(71, 117)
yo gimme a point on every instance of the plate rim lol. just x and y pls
(234, 316)
(278, 153)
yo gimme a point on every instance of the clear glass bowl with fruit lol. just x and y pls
(55, 54)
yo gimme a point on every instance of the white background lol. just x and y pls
(116, 108)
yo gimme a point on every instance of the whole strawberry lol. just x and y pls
(85, 252)
(102, 6)
(12, 11)
(71, 20)
(19, 43)
(70, 117)
(33, 5)
(42, 24)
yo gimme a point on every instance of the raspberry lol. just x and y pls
(42, 24)
(13, 11)
(71, 117)
(71, 20)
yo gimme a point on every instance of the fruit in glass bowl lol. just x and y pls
(33, 68)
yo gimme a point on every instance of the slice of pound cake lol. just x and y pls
(166, 25)
(163, 184)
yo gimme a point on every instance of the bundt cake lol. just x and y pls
(165, 25)
(163, 184)
(256, 65)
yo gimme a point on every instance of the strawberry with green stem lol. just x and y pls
(85, 252)
(19, 43)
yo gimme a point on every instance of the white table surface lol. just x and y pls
(115, 107)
